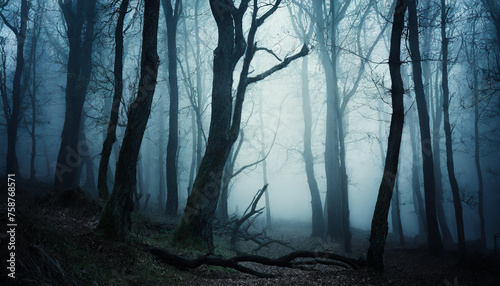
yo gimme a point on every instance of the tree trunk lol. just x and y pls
(379, 226)
(447, 130)
(396, 223)
(192, 168)
(15, 115)
(161, 166)
(80, 32)
(115, 220)
(332, 163)
(477, 149)
(264, 164)
(107, 146)
(434, 237)
(318, 223)
(172, 19)
(417, 195)
(445, 231)
(196, 223)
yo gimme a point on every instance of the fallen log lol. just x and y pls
(290, 260)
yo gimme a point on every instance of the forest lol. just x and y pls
(250, 142)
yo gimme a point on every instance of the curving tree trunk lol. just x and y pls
(318, 222)
(115, 220)
(107, 146)
(196, 223)
(457, 203)
(379, 226)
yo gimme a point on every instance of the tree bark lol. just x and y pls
(434, 237)
(379, 226)
(318, 222)
(107, 146)
(172, 19)
(115, 220)
(447, 130)
(80, 21)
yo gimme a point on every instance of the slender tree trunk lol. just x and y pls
(15, 115)
(33, 94)
(397, 204)
(447, 130)
(445, 231)
(332, 163)
(417, 195)
(379, 226)
(172, 17)
(161, 166)
(199, 88)
(107, 146)
(318, 222)
(192, 168)
(434, 237)
(264, 164)
(477, 149)
(80, 31)
(115, 219)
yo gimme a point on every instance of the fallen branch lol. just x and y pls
(286, 261)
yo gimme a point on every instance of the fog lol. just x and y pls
(272, 118)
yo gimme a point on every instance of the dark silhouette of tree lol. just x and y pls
(79, 16)
(107, 146)
(13, 114)
(379, 222)
(433, 237)
(447, 130)
(196, 223)
(172, 14)
(115, 220)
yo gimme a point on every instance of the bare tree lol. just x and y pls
(13, 115)
(115, 218)
(232, 45)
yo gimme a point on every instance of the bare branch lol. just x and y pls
(303, 52)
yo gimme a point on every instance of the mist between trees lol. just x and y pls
(357, 115)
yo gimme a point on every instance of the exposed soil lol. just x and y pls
(56, 246)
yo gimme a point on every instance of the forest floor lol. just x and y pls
(55, 245)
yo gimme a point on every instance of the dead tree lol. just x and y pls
(292, 260)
